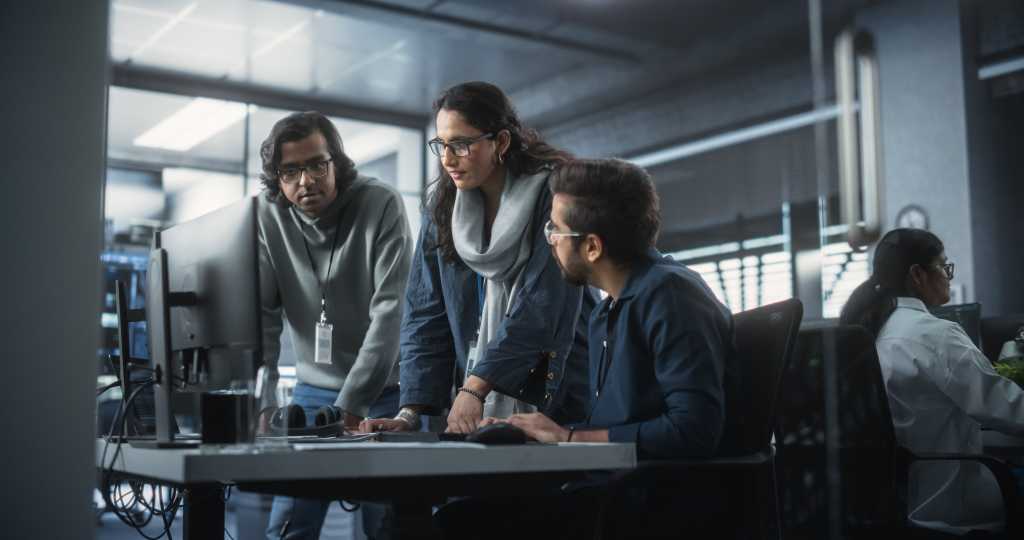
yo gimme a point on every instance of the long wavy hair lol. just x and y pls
(485, 107)
(873, 301)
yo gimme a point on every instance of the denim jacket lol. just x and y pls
(539, 354)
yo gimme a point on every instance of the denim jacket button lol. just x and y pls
(551, 376)
(552, 355)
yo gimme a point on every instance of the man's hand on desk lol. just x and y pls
(384, 424)
(408, 419)
(537, 426)
(352, 422)
(263, 420)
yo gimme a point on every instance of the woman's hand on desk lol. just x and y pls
(465, 414)
(468, 408)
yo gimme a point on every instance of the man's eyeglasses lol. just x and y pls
(551, 233)
(948, 269)
(459, 147)
(291, 173)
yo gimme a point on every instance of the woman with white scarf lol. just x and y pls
(490, 328)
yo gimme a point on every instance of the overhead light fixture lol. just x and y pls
(372, 144)
(194, 123)
(167, 27)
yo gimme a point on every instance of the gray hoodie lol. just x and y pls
(364, 290)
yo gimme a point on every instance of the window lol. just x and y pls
(744, 275)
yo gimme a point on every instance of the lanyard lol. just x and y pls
(330, 264)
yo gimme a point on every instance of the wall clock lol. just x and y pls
(912, 216)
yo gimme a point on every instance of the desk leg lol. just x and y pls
(415, 520)
(204, 512)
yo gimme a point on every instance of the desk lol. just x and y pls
(412, 475)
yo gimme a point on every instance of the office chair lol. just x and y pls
(856, 485)
(745, 463)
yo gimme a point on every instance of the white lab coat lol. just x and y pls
(941, 391)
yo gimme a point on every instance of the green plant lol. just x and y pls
(1012, 369)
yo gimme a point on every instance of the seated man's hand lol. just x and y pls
(465, 414)
(384, 424)
(488, 421)
(539, 427)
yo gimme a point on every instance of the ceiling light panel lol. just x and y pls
(201, 119)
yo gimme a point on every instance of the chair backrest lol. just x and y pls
(860, 437)
(764, 339)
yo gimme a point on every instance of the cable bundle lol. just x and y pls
(135, 502)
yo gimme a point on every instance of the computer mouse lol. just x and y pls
(495, 434)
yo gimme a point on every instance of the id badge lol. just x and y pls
(324, 339)
(471, 360)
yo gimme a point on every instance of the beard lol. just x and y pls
(574, 271)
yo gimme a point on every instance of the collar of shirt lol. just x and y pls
(634, 282)
(911, 303)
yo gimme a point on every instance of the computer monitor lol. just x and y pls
(968, 316)
(203, 307)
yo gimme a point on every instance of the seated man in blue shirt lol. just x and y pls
(658, 343)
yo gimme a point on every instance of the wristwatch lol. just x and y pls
(409, 416)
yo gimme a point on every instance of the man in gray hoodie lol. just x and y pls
(335, 251)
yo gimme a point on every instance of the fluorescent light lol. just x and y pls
(997, 69)
(201, 119)
(715, 142)
(284, 36)
(171, 23)
(371, 144)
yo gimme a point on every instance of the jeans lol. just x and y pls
(294, 518)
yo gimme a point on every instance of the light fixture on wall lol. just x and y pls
(194, 123)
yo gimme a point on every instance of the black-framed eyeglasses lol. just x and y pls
(316, 170)
(551, 233)
(948, 269)
(459, 147)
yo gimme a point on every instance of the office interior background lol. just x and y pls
(133, 115)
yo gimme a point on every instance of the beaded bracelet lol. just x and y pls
(473, 393)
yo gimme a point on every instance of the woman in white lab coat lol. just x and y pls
(941, 388)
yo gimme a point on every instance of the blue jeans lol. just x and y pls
(295, 519)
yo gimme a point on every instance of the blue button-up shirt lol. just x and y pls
(657, 362)
(539, 354)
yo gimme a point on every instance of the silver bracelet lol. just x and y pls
(409, 416)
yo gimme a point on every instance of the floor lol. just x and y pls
(245, 519)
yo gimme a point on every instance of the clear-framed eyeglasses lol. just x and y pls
(948, 269)
(551, 233)
(458, 147)
(316, 170)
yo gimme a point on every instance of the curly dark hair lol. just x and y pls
(485, 107)
(614, 200)
(295, 127)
